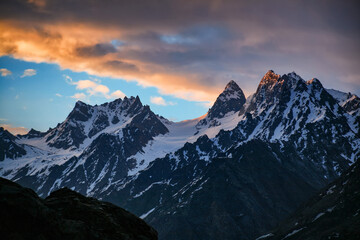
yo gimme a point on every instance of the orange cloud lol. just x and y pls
(5, 72)
(160, 101)
(185, 48)
(79, 96)
(61, 44)
(15, 130)
(117, 94)
(84, 84)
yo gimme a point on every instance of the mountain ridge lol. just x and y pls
(159, 169)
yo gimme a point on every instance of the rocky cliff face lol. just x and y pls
(64, 214)
(334, 213)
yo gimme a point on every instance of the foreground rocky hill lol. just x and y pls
(64, 214)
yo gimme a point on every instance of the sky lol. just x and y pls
(177, 56)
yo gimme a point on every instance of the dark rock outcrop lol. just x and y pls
(65, 214)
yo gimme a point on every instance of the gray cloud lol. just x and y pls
(120, 65)
(96, 50)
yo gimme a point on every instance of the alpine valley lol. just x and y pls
(234, 173)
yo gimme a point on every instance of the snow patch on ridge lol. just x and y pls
(179, 134)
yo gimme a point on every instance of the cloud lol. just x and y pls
(97, 50)
(38, 3)
(160, 101)
(15, 130)
(117, 65)
(201, 42)
(79, 96)
(58, 95)
(5, 72)
(29, 73)
(93, 88)
(101, 89)
(206, 105)
(117, 94)
(84, 84)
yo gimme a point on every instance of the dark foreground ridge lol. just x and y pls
(334, 213)
(65, 214)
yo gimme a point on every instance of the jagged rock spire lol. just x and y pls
(269, 78)
(231, 99)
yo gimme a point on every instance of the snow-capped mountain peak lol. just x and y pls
(270, 77)
(232, 85)
(231, 99)
(81, 112)
(86, 122)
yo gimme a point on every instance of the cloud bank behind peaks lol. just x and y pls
(92, 88)
(187, 49)
(157, 100)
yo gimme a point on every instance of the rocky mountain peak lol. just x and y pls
(33, 134)
(315, 83)
(81, 112)
(272, 81)
(114, 104)
(6, 134)
(232, 85)
(231, 99)
(129, 106)
(80, 104)
(270, 77)
(127, 102)
(232, 90)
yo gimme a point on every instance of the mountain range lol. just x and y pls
(234, 173)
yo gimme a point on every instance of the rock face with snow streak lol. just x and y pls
(351, 104)
(334, 212)
(269, 152)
